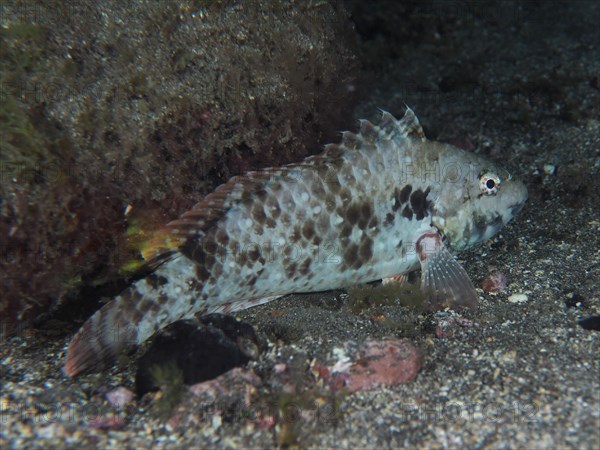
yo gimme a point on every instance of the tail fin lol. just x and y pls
(147, 306)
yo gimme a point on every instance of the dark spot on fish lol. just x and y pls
(155, 281)
(127, 300)
(308, 230)
(406, 190)
(272, 206)
(136, 316)
(407, 212)
(145, 305)
(419, 203)
(252, 280)
(194, 251)
(162, 299)
(201, 273)
(253, 252)
(275, 185)
(258, 213)
(373, 222)
(333, 184)
(389, 219)
(270, 223)
(290, 270)
(366, 250)
(330, 202)
(221, 237)
(288, 251)
(154, 308)
(352, 214)
(210, 246)
(346, 230)
(366, 211)
(305, 266)
(209, 261)
(345, 196)
(317, 240)
(285, 220)
(247, 197)
(350, 256)
(296, 234)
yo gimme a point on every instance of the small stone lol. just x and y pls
(50, 431)
(574, 300)
(494, 283)
(518, 298)
(216, 421)
(119, 397)
(549, 169)
(387, 362)
(449, 326)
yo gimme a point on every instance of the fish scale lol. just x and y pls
(376, 206)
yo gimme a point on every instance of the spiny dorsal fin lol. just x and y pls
(386, 128)
(410, 126)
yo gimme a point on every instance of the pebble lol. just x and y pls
(549, 169)
(53, 430)
(449, 326)
(386, 362)
(119, 397)
(494, 283)
(518, 298)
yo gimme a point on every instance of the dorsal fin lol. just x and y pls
(386, 128)
(409, 126)
(202, 216)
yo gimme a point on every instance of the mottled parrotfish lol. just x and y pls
(383, 202)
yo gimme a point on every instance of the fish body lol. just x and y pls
(382, 203)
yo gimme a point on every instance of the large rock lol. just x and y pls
(118, 116)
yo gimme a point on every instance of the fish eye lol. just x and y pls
(489, 183)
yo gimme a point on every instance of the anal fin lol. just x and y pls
(400, 279)
(229, 307)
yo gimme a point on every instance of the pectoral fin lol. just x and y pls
(443, 279)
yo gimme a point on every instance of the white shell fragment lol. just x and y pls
(518, 298)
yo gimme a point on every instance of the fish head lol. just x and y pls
(476, 197)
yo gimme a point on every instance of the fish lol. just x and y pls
(383, 202)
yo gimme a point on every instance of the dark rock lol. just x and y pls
(590, 323)
(200, 350)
